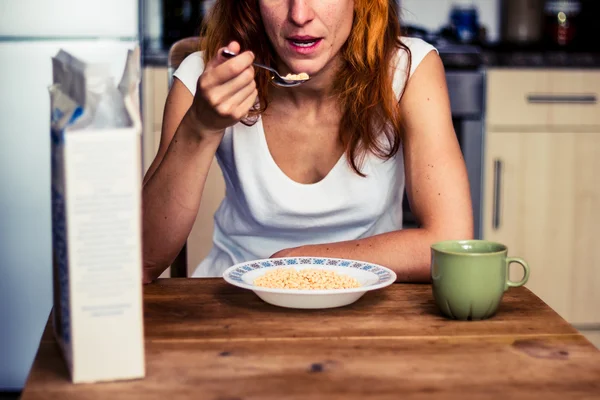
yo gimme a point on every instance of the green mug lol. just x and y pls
(470, 277)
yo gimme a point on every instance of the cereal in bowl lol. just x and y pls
(289, 278)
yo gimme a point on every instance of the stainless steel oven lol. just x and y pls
(466, 90)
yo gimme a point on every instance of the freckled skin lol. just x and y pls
(330, 20)
(317, 367)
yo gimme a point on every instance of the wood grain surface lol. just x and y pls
(182, 309)
(208, 340)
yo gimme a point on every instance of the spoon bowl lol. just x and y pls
(276, 78)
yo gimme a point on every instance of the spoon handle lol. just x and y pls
(276, 78)
(228, 54)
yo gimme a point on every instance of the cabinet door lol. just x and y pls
(200, 240)
(542, 199)
(155, 88)
(543, 99)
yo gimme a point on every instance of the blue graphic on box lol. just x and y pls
(57, 132)
(59, 240)
(59, 244)
(59, 218)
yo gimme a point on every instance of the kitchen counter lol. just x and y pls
(540, 56)
(516, 58)
(207, 339)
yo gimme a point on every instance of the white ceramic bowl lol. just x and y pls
(370, 277)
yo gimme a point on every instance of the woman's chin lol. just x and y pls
(311, 70)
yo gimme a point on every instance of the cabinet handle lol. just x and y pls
(562, 99)
(497, 183)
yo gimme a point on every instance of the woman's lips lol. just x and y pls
(303, 44)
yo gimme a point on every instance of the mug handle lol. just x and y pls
(510, 260)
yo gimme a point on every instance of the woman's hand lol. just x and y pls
(225, 92)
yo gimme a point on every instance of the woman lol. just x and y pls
(314, 170)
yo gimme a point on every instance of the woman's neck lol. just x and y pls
(314, 93)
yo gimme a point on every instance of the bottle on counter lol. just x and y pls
(464, 22)
(561, 18)
(522, 21)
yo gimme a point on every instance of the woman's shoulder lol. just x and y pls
(417, 51)
(190, 70)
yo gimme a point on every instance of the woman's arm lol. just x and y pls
(436, 183)
(192, 130)
(174, 183)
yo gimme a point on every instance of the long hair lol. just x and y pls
(363, 85)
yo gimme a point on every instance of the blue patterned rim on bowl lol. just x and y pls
(382, 276)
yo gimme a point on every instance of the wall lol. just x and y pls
(433, 14)
(152, 19)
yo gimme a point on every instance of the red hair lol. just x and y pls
(363, 84)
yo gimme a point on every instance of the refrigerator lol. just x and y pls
(31, 33)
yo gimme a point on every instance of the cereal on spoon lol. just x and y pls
(296, 77)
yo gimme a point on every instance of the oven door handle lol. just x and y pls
(589, 99)
(497, 193)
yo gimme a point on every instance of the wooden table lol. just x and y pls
(208, 340)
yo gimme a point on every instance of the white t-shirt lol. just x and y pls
(265, 211)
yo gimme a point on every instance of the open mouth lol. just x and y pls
(304, 41)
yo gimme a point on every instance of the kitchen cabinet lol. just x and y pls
(542, 183)
(155, 87)
(532, 99)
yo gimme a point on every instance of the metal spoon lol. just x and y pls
(276, 78)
